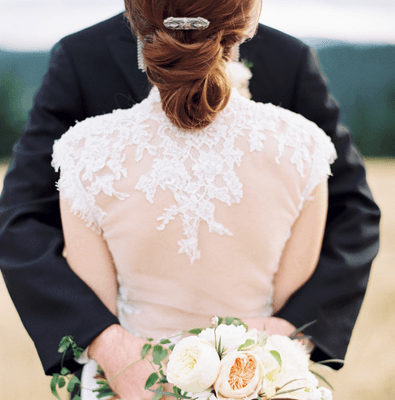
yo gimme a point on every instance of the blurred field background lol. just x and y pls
(362, 78)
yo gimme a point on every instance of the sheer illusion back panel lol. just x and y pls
(196, 221)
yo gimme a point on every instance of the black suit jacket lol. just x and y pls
(95, 71)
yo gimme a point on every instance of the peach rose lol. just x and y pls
(240, 376)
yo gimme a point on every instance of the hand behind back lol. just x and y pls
(114, 349)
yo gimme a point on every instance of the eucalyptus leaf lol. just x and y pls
(62, 348)
(103, 395)
(152, 379)
(66, 340)
(162, 393)
(262, 339)
(53, 384)
(220, 319)
(149, 339)
(237, 322)
(277, 356)
(76, 397)
(248, 343)
(219, 349)
(61, 382)
(145, 350)
(64, 371)
(195, 331)
(103, 392)
(64, 344)
(228, 320)
(172, 347)
(176, 390)
(157, 396)
(159, 354)
(165, 341)
(72, 384)
(77, 351)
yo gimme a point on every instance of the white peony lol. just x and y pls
(201, 396)
(240, 376)
(232, 337)
(326, 394)
(193, 365)
(269, 362)
(295, 366)
(292, 352)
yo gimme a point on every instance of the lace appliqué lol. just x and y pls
(196, 167)
(88, 148)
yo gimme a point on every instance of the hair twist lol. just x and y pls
(189, 67)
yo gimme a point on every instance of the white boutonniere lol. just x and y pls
(240, 74)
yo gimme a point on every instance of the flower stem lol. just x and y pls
(119, 373)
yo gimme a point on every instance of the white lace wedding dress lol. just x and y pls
(196, 221)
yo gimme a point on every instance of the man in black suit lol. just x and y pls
(94, 72)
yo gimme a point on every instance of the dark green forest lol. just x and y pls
(361, 77)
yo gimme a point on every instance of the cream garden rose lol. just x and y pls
(193, 365)
(240, 376)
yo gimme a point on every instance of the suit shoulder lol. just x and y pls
(268, 32)
(95, 34)
(278, 40)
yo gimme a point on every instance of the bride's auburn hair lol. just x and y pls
(189, 66)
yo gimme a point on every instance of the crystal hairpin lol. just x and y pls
(186, 23)
(140, 58)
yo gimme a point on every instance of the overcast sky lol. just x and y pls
(38, 24)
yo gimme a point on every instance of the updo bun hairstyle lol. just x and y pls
(189, 66)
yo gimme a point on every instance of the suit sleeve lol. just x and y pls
(50, 299)
(351, 240)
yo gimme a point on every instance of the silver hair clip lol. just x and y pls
(236, 53)
(186, 24)
(140, 57)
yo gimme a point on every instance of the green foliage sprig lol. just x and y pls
(59, 379)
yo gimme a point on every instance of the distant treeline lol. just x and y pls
(361, 77)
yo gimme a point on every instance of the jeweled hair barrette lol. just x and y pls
(140, 58)
(186, 24)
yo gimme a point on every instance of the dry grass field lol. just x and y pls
(369, 371)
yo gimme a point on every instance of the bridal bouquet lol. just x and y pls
(228, 361)
(231, 362)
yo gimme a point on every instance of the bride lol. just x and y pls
(195, 202)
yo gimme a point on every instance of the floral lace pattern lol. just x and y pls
(196, 167)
